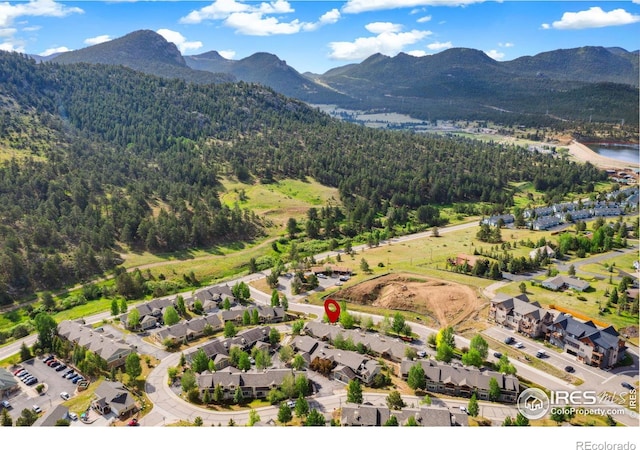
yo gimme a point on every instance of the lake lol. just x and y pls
(621, 152)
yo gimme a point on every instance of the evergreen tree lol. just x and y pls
(354, 391)
(473, 406)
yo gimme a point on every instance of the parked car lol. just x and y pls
(37, 409)
(61, 367)
(291, 403)
(344, 278)
(32, 381)
(18, 371)
(65, 395)
(338, 283)
(6, 404)
(24, 375)
(47, 359)
(75, 377)
(464, 410)
(627, 386)
(321, 275)
(73, 416)
(421, 353)
(497, 355)
(77, 380)
(569, 369)
(54, 364)
(70, 375)
(133, 422)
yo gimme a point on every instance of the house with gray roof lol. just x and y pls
(545, 223)
(354, 415)
(106, 346)
(520, 314)
(542, 251)
(346, 364)
(113, 397)
(600, 347)
(384, 346)
(253, 383)
(494, 221)
(8, 383)
(560, 282)
(463, 381)
(51, 418)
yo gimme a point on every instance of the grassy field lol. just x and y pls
(279, 201)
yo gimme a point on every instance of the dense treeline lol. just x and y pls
(135, 159)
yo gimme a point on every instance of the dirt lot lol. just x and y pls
(446, 302)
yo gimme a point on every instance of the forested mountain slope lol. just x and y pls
(112, 157)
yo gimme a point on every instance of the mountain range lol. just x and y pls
(576, 84)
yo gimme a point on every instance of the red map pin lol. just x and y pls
(332, 308)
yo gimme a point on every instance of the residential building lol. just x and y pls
(600, 347)
(542, 251)
(346, 365)
(520, 314)
(8, 383)
(462, 381)
(560, 282)
(545, 223)
(106, 346)
(384, 346)
(113, 397)
(499, 219)
(51, 418)
(253, 383)
(354, 415)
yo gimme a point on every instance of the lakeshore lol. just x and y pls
(583, 153)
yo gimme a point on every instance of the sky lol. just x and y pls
(315, 36)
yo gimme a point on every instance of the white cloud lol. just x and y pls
(255, 24)
(389, 41)
(32, 28)
(417, 53)
(220, 9)
(7, 32)
(383, 27)
(505, 44)
(9, 13)
(495, 54)
(358, 6)
(331, 16)
(51, 51)
(181, 42)
(227, 54)
(439, 45)
(424, 19)
(10, 46)
(257, 19)
(98, 39)
(594, 17)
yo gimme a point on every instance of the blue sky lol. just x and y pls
(314, 36)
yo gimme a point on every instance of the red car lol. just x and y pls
(133, 422)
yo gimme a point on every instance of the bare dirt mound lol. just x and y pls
(446, 302)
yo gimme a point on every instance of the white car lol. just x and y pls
(65, 395)
(73, 416)
(519, 345)
(37, 409)
(6, 404)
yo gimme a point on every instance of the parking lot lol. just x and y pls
(28, 396)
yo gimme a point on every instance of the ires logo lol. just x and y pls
(533, 403)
